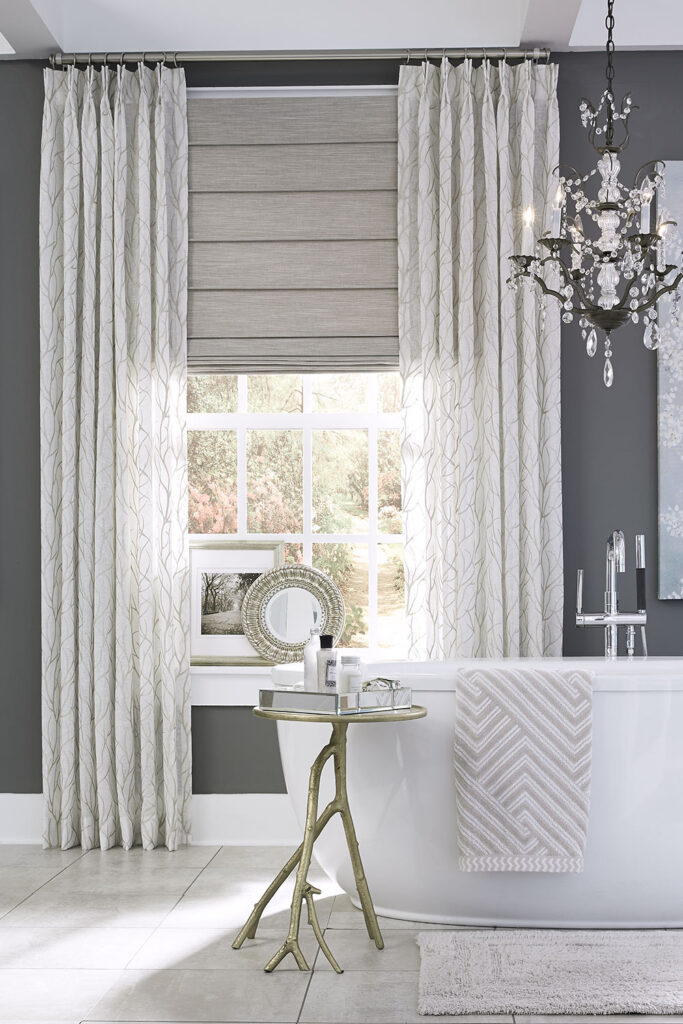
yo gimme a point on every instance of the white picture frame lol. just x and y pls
(217, 638)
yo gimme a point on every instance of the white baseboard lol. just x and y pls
(244, 819)
(219, 819)
(21, 817)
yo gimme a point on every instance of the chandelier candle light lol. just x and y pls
(622, 274)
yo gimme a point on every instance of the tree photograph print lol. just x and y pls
(222, 596)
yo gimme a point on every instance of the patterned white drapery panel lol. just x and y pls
(113, 297)
(480, 366)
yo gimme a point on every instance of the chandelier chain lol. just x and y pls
(609, 70)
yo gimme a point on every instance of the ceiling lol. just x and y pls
(33, 28)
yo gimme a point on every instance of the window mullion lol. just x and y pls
(308, 471)
(372, 534)
(242, 457)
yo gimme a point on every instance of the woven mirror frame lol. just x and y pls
(270, 583)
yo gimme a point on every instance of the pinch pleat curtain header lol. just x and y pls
(480, 365)
(113, 310)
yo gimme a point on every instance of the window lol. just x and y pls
(312, 460)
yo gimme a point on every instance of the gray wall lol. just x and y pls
(21, 99)
(234, 752)
(609, 437)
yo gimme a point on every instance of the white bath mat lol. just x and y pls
(520, 970)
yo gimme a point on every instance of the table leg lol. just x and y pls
(342, 800)
(291, 943)
(336, 748)
(317, 930)
(249, 929)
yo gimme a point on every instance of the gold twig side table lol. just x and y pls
(303, 890)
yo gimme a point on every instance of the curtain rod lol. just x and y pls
(60, 60)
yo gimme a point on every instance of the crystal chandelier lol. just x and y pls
(621, 274)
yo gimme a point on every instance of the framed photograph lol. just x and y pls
(221, 572)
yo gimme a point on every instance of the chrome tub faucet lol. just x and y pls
(612, 618)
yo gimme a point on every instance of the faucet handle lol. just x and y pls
(640, 572)
(579, 591)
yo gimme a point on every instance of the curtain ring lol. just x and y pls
(121, 61)
(407, 57)
(175, 59)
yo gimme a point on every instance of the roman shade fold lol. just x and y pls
(292, 234)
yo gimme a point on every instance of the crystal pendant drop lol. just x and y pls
(651, 336)
(592, 343)
(647, 336)
(608, 373)
(627, 266)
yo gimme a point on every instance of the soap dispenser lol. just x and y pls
(311, 660)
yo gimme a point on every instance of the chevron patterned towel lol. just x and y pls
(522, 768)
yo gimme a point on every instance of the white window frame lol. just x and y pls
(307, 421)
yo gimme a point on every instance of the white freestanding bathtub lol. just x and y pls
(401, 790)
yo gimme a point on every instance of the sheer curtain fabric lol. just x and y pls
(480, 366)
(113, 283)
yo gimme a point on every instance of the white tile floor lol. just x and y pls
(137, 936)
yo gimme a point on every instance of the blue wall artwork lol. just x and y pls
(670, 405)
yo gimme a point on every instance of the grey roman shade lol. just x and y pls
(292, 227)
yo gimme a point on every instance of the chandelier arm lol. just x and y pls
(570, 167)
(574, 284)
(657, 165)
(667, 288)
(546, 290)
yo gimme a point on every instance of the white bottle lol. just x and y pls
(327, 665)
(354, 681)
(350, 668)
(310, 661)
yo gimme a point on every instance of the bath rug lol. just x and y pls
(538, 971)
(522, 757)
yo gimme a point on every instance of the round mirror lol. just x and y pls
(292, 613)
(283, 605)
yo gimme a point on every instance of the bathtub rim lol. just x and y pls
(637, 674)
